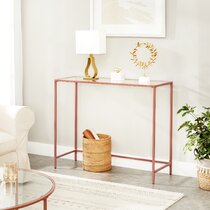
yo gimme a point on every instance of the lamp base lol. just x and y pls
(90, 78)
(91, 61)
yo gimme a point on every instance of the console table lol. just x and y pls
(128, 82)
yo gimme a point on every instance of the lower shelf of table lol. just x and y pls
(165, 163)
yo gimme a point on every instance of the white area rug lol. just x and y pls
(73, 193)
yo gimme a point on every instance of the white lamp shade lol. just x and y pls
(90, 42)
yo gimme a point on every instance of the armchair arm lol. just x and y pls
(16, 119)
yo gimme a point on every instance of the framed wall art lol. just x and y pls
(128, 18)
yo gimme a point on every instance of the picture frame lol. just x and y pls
(128, 18)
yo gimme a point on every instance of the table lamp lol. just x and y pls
(90, 42)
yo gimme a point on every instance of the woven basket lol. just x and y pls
(97, 154)
(204, 178)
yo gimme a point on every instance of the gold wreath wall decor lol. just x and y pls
(153, 55)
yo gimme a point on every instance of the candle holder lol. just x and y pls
(9, 188)
(117, 75)
(10, 172)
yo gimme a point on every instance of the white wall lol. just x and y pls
(123, 112)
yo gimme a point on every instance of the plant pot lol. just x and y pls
(204, 174)
(204, 163)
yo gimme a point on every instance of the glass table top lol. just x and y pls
(32, 187)
(107, 81)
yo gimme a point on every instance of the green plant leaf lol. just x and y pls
(197, 131)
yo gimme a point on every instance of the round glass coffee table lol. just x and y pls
(32, 187)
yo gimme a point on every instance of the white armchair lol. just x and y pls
(15, 123)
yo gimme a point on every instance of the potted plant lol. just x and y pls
(197, 128)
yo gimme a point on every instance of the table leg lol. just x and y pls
(55, 124)
(171, 128)
(153, 134)
(75, 121)
(45, 204)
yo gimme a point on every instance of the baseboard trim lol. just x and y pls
(179, 168)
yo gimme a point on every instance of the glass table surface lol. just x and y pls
(31, 188)
(107, 81)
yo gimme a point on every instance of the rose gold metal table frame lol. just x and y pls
(103, 81)
(42, 198)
